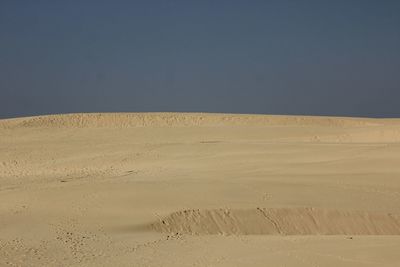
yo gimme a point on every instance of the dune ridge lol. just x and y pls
(278, 221)
(126, 120)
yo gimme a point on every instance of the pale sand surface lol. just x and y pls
(168, 189)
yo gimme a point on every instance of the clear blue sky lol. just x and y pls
(274, 57)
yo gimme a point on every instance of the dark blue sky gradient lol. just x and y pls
(273, 57)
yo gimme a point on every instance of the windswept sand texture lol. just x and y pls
(167, 189)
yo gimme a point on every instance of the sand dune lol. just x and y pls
(187, 189)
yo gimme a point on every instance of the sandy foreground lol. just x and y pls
(175, 189)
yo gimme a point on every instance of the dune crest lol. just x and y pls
(127, 120)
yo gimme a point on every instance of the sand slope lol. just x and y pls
(282, 221)
(176, 189)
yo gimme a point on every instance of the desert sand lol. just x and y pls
(178, 189)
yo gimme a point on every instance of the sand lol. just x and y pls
(176, 189)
